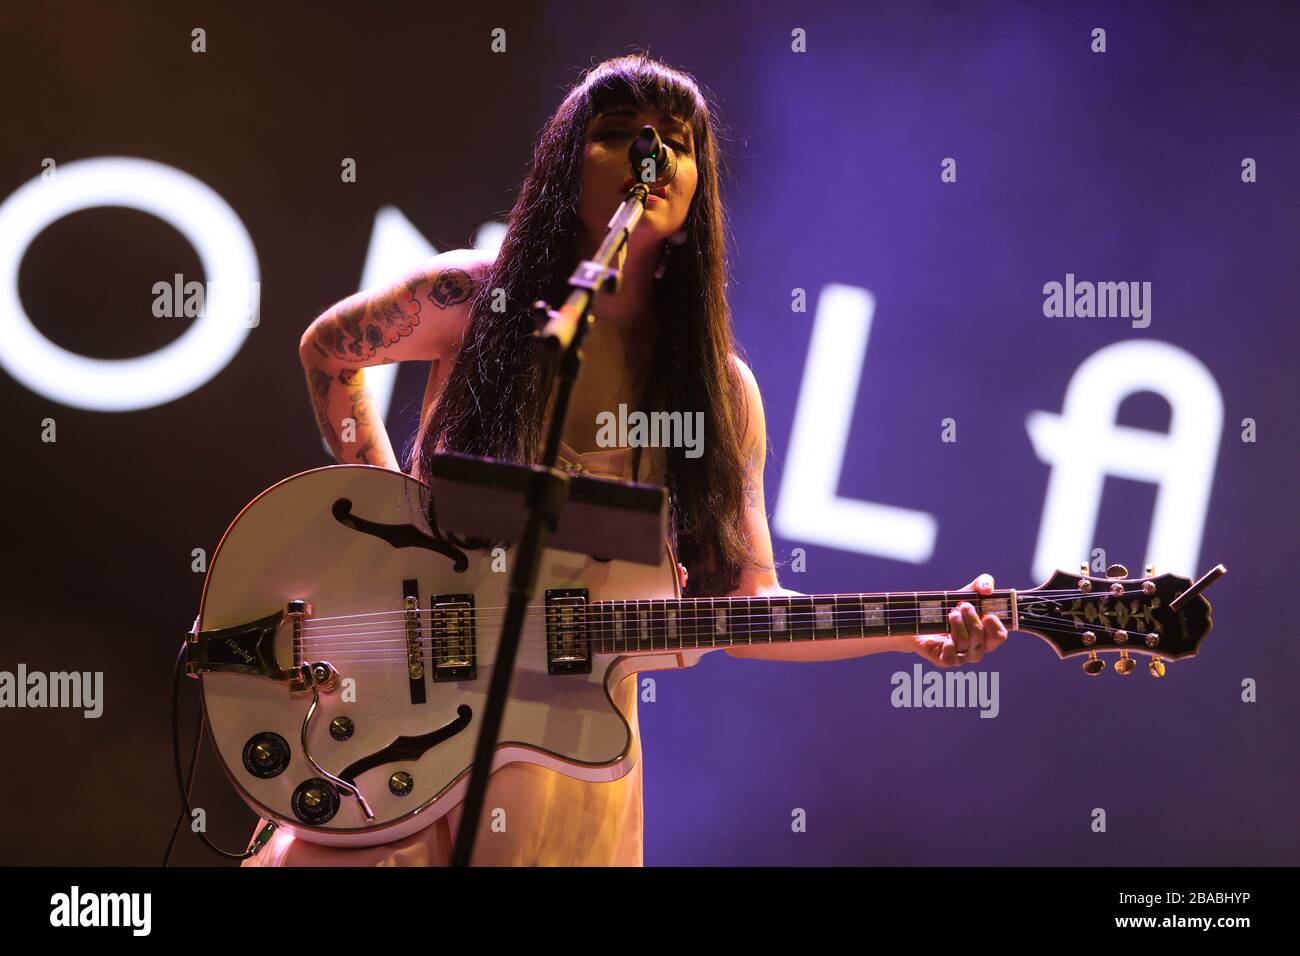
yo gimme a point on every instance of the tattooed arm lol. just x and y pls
(420, 317)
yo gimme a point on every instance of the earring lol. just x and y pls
(676, 239)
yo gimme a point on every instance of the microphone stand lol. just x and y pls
(548, 489)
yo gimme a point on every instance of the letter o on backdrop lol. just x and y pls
(207, 222)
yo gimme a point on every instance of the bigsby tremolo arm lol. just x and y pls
(249, 649)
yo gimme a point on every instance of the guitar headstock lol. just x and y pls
(1163, 617)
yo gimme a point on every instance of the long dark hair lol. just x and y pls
(495, 400)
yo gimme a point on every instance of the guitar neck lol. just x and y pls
(618, 627)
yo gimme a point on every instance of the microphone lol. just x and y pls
(649, 149)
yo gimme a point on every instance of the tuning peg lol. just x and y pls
(1117, 571)
(1157, 667)
(1124, 666)
(1083, 569)
(1149, 571)
(1094, 665)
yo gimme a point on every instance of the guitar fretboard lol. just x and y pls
(617, 627)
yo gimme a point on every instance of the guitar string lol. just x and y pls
(396, 655)
(653, 632)
(322, 636)
(603, 631)
(398, 663)
(312, 623)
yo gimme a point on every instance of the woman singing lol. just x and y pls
(663, 342)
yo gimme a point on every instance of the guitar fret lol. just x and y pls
(874, 622)
(801, 619)
(659, 624)
(737, 620)
(899, 609)
(824, 617)
(996, 604)
(931, 611)
(848, 615)
(780, 626)
(742, 621)
(596, 624)
(704, 622)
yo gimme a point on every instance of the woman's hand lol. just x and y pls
(968, 635)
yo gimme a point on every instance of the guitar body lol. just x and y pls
(407, 754)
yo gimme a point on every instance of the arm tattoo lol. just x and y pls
(320, 389)
(358, 333)
(354, 380)
(320, 385)
(451, 287)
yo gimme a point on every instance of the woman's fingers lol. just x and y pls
(932, 649)
(975, 633)
(995, 633)
(957, 629)
(970, 635)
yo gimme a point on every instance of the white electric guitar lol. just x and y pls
(345, 649)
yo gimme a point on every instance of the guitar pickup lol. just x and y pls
(568, 644)
(455, 652)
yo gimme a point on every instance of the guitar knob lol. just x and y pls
(1094, 665)
(1156, 667)
(1117, 571)
(315, 801)
(401, 783)
(266, 755)
(1125, 665)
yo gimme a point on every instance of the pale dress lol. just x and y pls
(553, 820)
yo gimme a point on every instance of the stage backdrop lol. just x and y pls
(907, 182)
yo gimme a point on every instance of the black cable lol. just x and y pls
(183, 783)
(194, 761)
